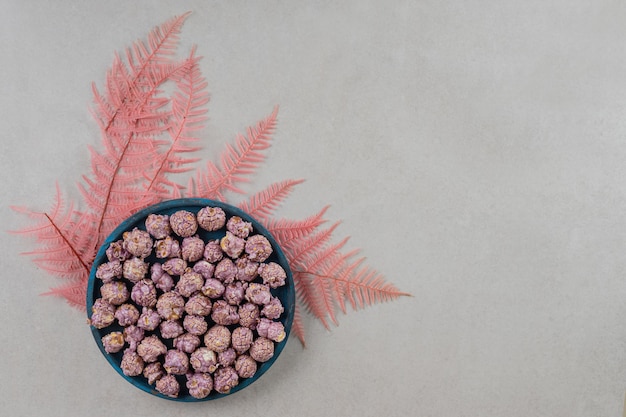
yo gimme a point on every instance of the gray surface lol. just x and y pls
(475, 151)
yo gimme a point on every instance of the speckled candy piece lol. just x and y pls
(133, 335)
(108, 271)
(175, 266)
(149, 319)
(132, 364)
(151, 348)
(234, 292)
(195, 324)
(246, 269)
(113, 342)
(258, 248)
(227, 357)
(135, 269)
(162, 280)
(204, 268)
(273, 330)
(211, 218)
(217, 338)
(199, 385)
(176, 362)
(248, 315)
(138, 243)
(192, 248)
(153, 372)
(225, 271)
(115, 292)
(187, 342)
(213, 288)
(241, 339)
(204, 359)
(189, 283)
(262, 349)
(273, 309)
(116, 251)
(258, 293)
(239, 227)
(273, 274)
(168, 247)
(127, 314)
(184, 223)
(170, 329)
(245, 366)
(102, 314)
(170, 305)
(224, 313)
(198, 305)
(144, 293)
(158, 225)
(213, 252)
(168, 385)
(225, 379)
(232, 245)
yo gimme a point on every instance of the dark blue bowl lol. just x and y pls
(286, 293)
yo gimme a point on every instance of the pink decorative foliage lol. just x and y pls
(148, 136)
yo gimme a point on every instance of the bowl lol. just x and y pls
(285, 293)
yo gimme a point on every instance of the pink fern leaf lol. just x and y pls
(297, 326)
(262, 204)
(75, 294)
(309, 297)
(297, 250)
(237, 162)
(285, 231)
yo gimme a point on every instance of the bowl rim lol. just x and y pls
(191, 204)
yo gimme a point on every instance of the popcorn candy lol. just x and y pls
(144, 293)
(213, 288)
(213, 251)
(204, 359)
(238, 227)
(132, 364)
(102, 314)
(115, 292)
(225, 379)
(175, 266)
(199, 385)
(170, 329)
(192, 249)
(149, 319)
(170, 305)
(158, 225)
(151, 348)
(224, 313)
(184, 223)
(262, 349)
(187, 342)
(225, 271)
(153, 372)
(242, 339)
(138, 243)
(109, 270)
(127, 314)
(258, 293)
(189, 283)
(227, 357)
(133, 335)
(246, 269)
(234, 292)
(168, 385)
(273, 274)
(232, 245)
(211, 218)
(273, 309)
(113, 342)
(245, 366)
(134, 269)
(273, 330)
(204, 268)
(258, 248)
(116, 251)
(161, 279)
(248, 315)
(217, 338)
(176, 362)
(198, 305)
(167, 247)
(195, 324)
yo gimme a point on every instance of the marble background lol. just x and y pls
(474, 150)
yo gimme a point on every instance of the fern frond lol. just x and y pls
(298, 250)
(262, 204)
(75, 294)
(297, 326)
(285, 231)
(309, 297)
(237, 162)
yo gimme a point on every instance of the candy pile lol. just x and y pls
(191, 311)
